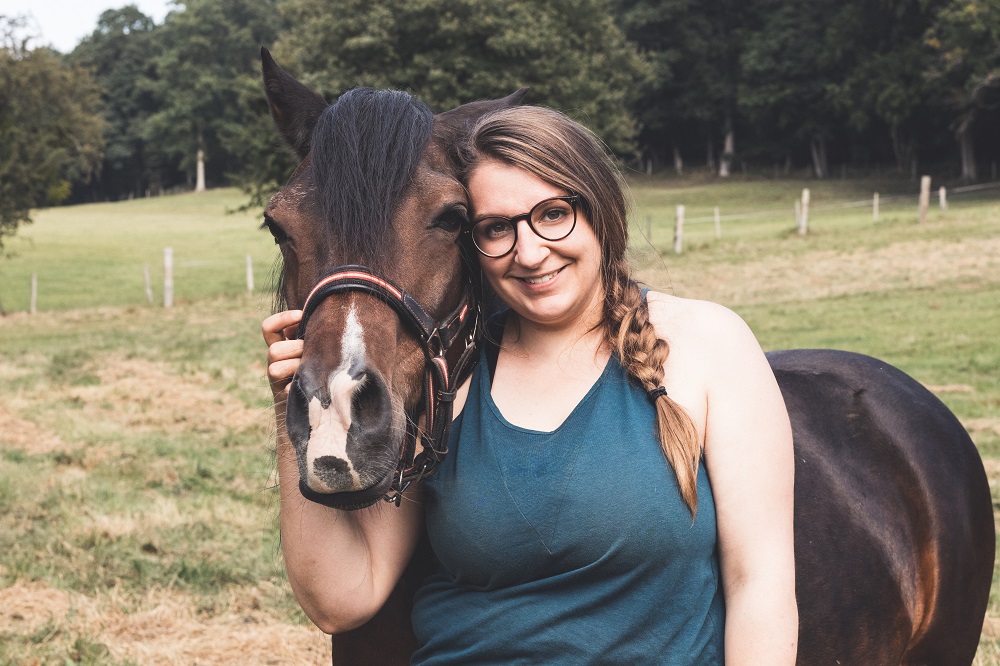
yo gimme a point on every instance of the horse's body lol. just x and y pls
(894, 533)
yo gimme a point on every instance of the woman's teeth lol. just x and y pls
(541, 279)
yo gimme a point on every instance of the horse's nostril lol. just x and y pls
(371, 405)
(330, 465)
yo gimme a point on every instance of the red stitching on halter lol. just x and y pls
(444, 370)
(356, 275)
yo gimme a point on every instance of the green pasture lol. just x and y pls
(95, 254)
(135, 440)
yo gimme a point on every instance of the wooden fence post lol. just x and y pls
(718, 224)
(943, 198)
(875, 208)
(249, 274)
(925, 198)
(804, 216)
(168, 277)
(34, 293)
(679, 231)
(149, 286)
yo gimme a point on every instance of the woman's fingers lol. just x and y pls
(281, 326)
(280, 373)
(284, 349)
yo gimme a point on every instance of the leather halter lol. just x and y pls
(446, 366)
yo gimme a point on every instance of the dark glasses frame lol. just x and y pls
(571, 199)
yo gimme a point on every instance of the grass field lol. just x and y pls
(137, 503)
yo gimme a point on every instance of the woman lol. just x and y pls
(562, 532)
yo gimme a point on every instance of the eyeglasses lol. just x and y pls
(552, 219)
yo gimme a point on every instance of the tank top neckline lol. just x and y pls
(485, 386)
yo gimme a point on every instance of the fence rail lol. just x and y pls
(803, 208)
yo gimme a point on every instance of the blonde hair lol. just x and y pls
(565, 154)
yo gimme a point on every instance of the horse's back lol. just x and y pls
(894, 534)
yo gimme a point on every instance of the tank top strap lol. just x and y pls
(490, 344)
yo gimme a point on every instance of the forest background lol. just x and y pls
(782, 87)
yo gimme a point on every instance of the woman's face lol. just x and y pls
(549, 283)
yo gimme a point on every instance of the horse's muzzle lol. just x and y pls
(344, 432)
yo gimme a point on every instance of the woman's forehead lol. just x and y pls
(495, 187)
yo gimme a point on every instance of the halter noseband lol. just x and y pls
(444, 372)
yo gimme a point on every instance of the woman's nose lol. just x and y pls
(530, 248)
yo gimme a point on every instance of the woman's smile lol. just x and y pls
(540, 279)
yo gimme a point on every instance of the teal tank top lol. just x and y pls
(567, 547)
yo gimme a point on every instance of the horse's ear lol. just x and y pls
(514, 98)
(452, 125)
(294, 107)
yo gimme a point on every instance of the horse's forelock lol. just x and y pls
(365, 150)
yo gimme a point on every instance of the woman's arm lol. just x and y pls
(748, 454)
(342, 565)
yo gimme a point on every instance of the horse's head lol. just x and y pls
(377, 188)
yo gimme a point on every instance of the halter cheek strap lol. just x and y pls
(446, 366)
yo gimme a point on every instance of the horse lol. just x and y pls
(894, 531)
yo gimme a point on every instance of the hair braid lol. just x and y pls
(643, 355)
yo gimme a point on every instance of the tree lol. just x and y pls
(965, 39)
(119, 53)
(694, 49)
(209, 52)
(50, 127)
(788, 68)
(569, 52)
(881, 82)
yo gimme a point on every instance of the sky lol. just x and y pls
(63, 23)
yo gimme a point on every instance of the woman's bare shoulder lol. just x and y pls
(679, 319)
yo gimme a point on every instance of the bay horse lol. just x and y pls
(894, 529)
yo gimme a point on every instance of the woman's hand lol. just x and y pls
(284, 350)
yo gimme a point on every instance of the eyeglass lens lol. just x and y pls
(551, 219)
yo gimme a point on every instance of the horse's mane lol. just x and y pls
(365, 150)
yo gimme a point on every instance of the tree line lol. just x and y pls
(138, 108)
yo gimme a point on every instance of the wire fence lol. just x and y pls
(182, 277)
(658, 230)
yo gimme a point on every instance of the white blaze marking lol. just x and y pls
(329, 426)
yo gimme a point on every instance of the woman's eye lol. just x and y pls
(498, 229)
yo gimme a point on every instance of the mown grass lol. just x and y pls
(94, 255)
(138, 457)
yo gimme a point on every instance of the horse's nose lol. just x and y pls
(338, 424)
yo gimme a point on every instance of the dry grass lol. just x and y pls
(72, 423)
(164, 628)
(919, 264)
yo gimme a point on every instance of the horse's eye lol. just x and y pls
(451, 220)
(276, 232)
